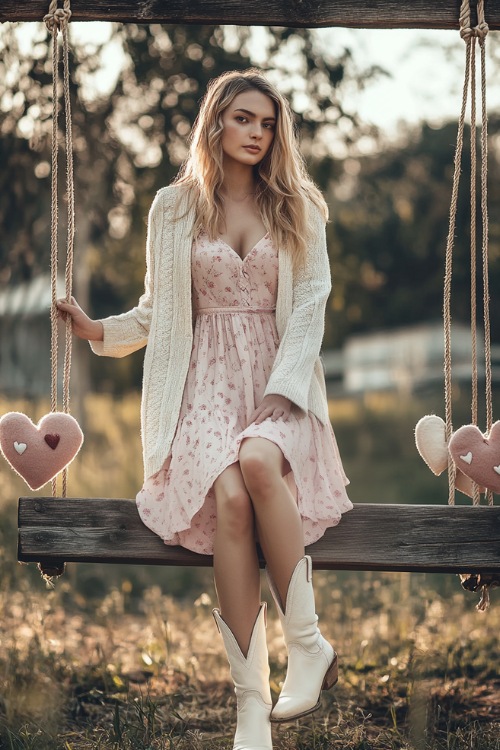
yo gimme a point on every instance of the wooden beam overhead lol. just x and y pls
(373, 14)
(419, 538)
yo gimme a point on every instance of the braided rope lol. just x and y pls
(476, 497)
(485, 223)
(469, 35)
(448, 276)
(68, 280)
(53, 236)
(56, 20)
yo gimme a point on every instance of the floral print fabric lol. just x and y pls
(234, 345)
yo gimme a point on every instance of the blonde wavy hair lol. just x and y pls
(284, 189)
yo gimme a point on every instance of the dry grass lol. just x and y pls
(418, 669)
(111, 659)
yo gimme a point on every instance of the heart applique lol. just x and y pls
(430, 438)
(52, 441)
(39, 452)
(478, 455)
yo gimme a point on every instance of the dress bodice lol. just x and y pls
(221, 279)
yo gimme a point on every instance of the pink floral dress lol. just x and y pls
(234, 347)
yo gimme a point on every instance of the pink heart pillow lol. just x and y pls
(430, 438)
(478, 455)
(39, 452)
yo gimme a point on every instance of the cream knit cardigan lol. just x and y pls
(163, 320)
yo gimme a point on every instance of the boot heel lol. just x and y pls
(332, 675)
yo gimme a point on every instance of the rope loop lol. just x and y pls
(466, 31)
(57, 18)
(469, 35)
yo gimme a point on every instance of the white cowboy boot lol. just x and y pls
(251, 685)
(312, 662)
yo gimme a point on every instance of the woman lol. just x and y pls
(237, 441)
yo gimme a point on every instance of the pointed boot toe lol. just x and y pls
(296, 701)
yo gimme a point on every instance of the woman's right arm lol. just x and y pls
(120, 335)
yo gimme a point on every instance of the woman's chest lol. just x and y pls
(220, 276)
(243, 229)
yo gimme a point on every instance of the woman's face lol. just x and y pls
(248, 128)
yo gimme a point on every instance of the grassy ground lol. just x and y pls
(419, 669)
(120, 657)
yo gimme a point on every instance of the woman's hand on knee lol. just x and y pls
(273, 406)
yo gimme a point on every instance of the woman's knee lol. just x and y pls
(260, 463)
(235, 515)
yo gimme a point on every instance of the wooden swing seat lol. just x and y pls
(417, 538)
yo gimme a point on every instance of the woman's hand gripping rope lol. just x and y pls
(81, 325)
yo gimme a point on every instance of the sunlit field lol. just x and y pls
(129, 656)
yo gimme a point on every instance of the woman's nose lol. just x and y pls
(256, 130)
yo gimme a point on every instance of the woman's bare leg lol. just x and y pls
(236, 566)
(278, 519)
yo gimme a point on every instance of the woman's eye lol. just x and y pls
(240, 118)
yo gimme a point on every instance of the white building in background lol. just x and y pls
(405, 359)
(25, 338)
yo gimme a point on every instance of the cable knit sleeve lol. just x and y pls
(124, 334)
(301, 341)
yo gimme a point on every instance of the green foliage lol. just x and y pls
(389, 229)
(389, 210)
(132, 142)
(25, 125)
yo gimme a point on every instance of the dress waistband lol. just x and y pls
(234, 309)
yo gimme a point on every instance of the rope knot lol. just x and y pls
(466, 31)
(482, 30)
(56, 19)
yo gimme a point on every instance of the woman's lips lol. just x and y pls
(253, 149)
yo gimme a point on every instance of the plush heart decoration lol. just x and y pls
(39, 452)
(430, 438)
(478, 455)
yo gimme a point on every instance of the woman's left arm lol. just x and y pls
(301, 341)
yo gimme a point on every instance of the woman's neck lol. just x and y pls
(239, 181)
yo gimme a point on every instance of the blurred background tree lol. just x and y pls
(131, 142)
(389, 208)
(389, 230)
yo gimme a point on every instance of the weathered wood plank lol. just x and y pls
(370, 537)
(438, 14)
